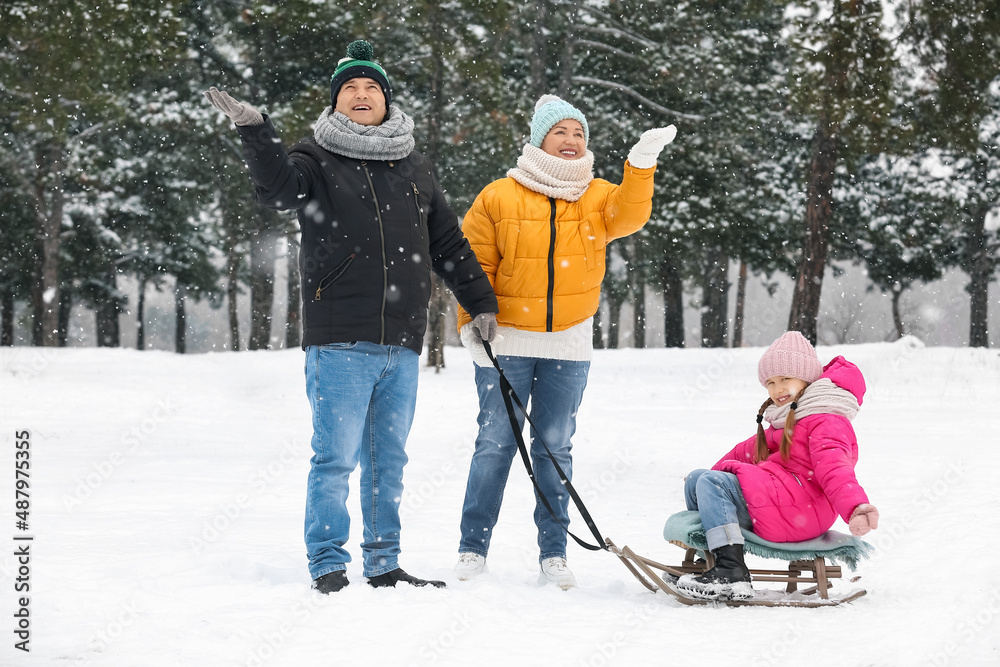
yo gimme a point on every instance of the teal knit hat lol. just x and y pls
(549, 110)
(359, 63)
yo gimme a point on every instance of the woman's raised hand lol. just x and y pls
(643, 155)
(239, 113)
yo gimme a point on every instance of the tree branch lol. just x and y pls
(586, 80)
(93, 129)
(618, 32)
(618, 28)
(606, 47)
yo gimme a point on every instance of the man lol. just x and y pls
(374, 222)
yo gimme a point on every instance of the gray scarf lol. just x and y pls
(821, 397)
(392, 140)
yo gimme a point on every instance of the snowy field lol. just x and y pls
(167, 492)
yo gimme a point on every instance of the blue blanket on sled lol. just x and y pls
(686, 527)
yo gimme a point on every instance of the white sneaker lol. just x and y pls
(469, 565)
(556, 571)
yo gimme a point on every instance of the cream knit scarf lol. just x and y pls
(392, 140)
(821, 397)
(553, 176)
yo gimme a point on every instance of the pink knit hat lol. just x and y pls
(790, 356)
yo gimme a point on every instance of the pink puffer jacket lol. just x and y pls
(799, 499)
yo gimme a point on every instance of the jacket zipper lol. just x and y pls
(552, 264)
(333, 276)
(385, 268)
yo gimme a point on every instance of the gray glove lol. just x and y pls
(486, 325)
(241, 114)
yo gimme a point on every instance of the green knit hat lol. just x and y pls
(359, 63)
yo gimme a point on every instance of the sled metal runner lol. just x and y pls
(644, 571)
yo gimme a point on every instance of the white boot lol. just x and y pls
(469, 565)
(556, 571)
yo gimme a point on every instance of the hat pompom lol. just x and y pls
(360, 50)
(545, 99)
(359, 63)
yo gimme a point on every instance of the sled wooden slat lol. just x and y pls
(643, 570)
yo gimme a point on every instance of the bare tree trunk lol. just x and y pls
(816, 241)
(64, 311)
(49, 204)
(6, 319)
(262, 259)
(568, 22)
(673, 304)
(715, 300)
(980, 270)
(436, 319)
(981, 262)
(741, 302)
(438, 304)
(637, 292)
(180, 329)
(639, 314)
(293, 335)
(140, 315)
(897, 318)
(598, 332)
(539, 56)
(106, 313)
(232, 288)
(614, 320)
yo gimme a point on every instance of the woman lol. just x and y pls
(540, 236)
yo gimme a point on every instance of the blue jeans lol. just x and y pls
(555, 389)
(363, 397)
(718, 498)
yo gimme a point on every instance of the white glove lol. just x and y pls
(643, 154)
(239, 113)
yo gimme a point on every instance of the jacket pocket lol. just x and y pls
(332, 277)
(508, 247)
(593, 243)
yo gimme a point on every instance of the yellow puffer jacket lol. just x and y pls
(544, 256)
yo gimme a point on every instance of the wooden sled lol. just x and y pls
(814, 570)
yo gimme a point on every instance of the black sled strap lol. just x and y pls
(509, 399)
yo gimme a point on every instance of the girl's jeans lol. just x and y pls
(718, 498)
(555, 388)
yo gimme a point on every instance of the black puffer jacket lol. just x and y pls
(371, 232)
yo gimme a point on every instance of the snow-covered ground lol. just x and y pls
(166, 499)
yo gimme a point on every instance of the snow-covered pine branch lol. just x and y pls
(586, 80)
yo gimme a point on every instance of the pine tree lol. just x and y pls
(715, 70)
(899, 211)
(63, 64)
(16, 238)
(841, 80)
(956, 104)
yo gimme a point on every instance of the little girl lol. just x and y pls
(790, 482)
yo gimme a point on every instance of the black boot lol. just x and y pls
(390, 578)
(728, 580)
(331, 582)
